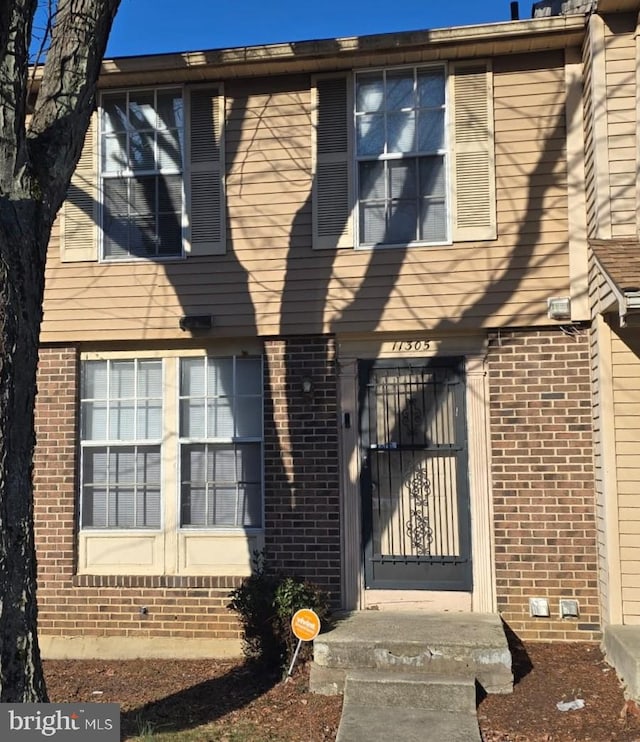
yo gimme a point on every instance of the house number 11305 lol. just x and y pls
(410, 345)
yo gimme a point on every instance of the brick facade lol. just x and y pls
(302, 496)
(71, 605)
(543, 482)
(301, 504)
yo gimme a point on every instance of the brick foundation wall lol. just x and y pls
(543, 481)
(302, 498)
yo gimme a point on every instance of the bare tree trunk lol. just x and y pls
(21, 283)
(36, 164)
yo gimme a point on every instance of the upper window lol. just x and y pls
(401, 153)
(141, 167)
(409, 161)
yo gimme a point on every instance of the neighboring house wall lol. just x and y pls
(542, 472)
(625, 354)
(621, 102)
(609, 55)
(601, 299)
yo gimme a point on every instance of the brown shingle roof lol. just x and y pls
(620, 259)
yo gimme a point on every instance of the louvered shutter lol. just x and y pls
(332, 187)
(205, 185)
(79, 225)
(474, 203)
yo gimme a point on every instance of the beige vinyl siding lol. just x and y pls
(626, 401)
(620, 75)
(271, 279)
(595, 345)
(601, 300)
(589, 135)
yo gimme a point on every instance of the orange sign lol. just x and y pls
(305, 624)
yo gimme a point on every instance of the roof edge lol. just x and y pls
(559, 28)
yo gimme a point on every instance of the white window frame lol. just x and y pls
(129, 174)
(444, 152)
(173, 550)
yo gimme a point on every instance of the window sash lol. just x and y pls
(409, 204)
(221, 485)
(121, 487)
(221, 450)
(142, 152)
(121, 411)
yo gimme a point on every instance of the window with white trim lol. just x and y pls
(221, 442)
(141, 173)
(401, 154)
(121, 436)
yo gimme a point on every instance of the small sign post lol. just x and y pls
(305, 625)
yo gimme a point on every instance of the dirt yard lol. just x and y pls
(233, 702)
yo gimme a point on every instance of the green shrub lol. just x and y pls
(291, 595)
(266, 602)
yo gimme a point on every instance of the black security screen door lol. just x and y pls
(415, 496)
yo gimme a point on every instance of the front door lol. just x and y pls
(415, 496)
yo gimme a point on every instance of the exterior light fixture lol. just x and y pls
(559, 308)
(194, 322)
(306, 385)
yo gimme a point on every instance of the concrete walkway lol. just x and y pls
(411, 676)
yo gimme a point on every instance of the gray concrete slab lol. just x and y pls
(401, 724)
(621, 646)
(435, 693)
(439, 643)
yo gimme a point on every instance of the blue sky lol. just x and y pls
(156, 26)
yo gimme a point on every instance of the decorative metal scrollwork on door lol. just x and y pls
(418, 526)
(411, 418)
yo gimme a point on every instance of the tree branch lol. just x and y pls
(16, 19)
(66, 97)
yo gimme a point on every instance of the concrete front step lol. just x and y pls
(423, 643)
(381, 689)
(403, 724)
